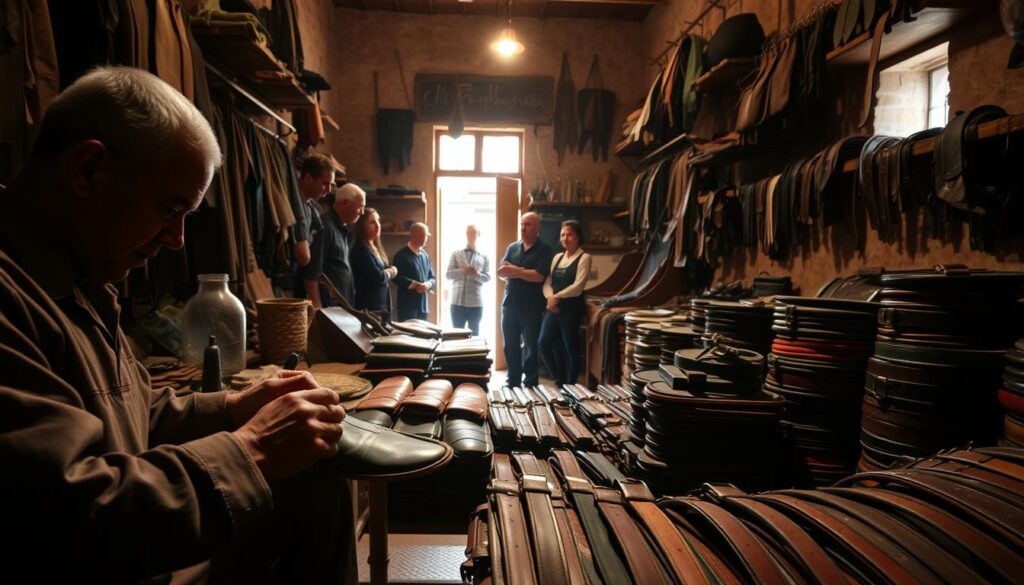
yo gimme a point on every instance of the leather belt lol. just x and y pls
(581, 493)
(525, 431)
(518, 568)
(579, 436)
(547, 431)
(643, 563)
(679, 555)
(547, 541)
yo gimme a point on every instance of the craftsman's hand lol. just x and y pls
(293, 432)
(422, 288)
(301, 252)
(392, 272)
(468, 270)
(553, 304)
(242, 406)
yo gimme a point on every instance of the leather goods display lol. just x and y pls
(595, 107)
(934, 378)
(368, 451)
(634, 320)
(745, 324)
(817, 364)
(382, 403)
(335, 335)
(1011, 397)
(671, 107)
(421, 410)
(465, 422)
(707, 417)
(738, 36)
(463, 361)
(954, 517)
(428, 330)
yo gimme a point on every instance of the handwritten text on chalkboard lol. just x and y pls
(524, 99)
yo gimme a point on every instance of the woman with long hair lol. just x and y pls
(559, 342)
(370, 268)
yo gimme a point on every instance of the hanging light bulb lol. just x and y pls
(507, 44)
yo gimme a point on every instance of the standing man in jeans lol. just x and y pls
(415, 277)
(468, 270)
(524, 268)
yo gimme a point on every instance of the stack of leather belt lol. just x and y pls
(745, 324)
(606, 418)
(638, 381)
(817, 364)
(951, 518)
(674, 338)
(428, 330)
(463, 361)
(647, 347)
(934, 378)
(698, 314)
(633, 321)
(399, 355)
(708, 419)
(1011, 397)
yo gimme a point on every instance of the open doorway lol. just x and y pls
(474, 173)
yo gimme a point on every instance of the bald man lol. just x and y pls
(331, 248)
(524, 268)
(415, 277)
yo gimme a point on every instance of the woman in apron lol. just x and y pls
(560, 332)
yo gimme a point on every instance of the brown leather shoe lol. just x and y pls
(368, 451)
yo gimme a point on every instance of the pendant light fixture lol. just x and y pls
(507, 44)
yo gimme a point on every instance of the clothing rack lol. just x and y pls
(690, 25)
(263, 128)
(252, 99)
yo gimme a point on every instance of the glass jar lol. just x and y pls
(214, 311)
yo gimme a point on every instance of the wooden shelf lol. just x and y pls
(622, 214)
(934, 18)
(730, 154)
(627, 147)
(677, 142)
(235, 50)
(419, 198)
(569, 205)
(725, 75)
(993, 129)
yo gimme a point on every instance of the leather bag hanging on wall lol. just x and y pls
(394, 127)
(595, 107)
(566, 124)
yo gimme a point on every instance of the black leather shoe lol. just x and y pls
(470, 439)
(368, 451)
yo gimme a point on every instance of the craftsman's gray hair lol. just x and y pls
(130, 111)
(348, 192)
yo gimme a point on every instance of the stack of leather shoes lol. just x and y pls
(708, 417)
(817, 364)
(1011, 397)
(934, 378)
(745, 324)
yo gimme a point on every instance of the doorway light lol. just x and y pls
(507, 44)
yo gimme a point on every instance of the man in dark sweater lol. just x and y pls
(331, 248)
(524, 268)
(415, 277)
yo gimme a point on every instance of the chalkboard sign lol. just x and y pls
(526, 99)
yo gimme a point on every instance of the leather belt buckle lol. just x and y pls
(790, 315)
(535, 483)
(887, 317)
(720, 491)
(504, 486)
(880, 388)
(579, 485)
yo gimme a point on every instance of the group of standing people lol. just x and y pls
(343, 243)
(543, 305)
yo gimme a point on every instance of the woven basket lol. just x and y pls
(281, 325)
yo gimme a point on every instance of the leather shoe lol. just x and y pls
(368, 451)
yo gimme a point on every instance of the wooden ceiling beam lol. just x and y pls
(626, 2)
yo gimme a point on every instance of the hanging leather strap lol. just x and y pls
(643, 563)
(579, 559)
(881, 26)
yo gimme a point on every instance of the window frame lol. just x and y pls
(931, 71)
(478, 162)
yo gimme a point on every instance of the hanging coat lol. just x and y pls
(566, 124)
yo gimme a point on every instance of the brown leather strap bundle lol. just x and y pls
(548, 547)
(579, 436)
(643, 563)
(544, 422)
(510, 550)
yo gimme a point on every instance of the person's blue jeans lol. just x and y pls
(471, 315)
(560, 341)
(521, 326)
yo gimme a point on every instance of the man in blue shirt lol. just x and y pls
(415, 277)
(524, 268)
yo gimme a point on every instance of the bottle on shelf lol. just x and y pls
(214, 311)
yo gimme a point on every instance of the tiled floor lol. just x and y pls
(418, 558)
